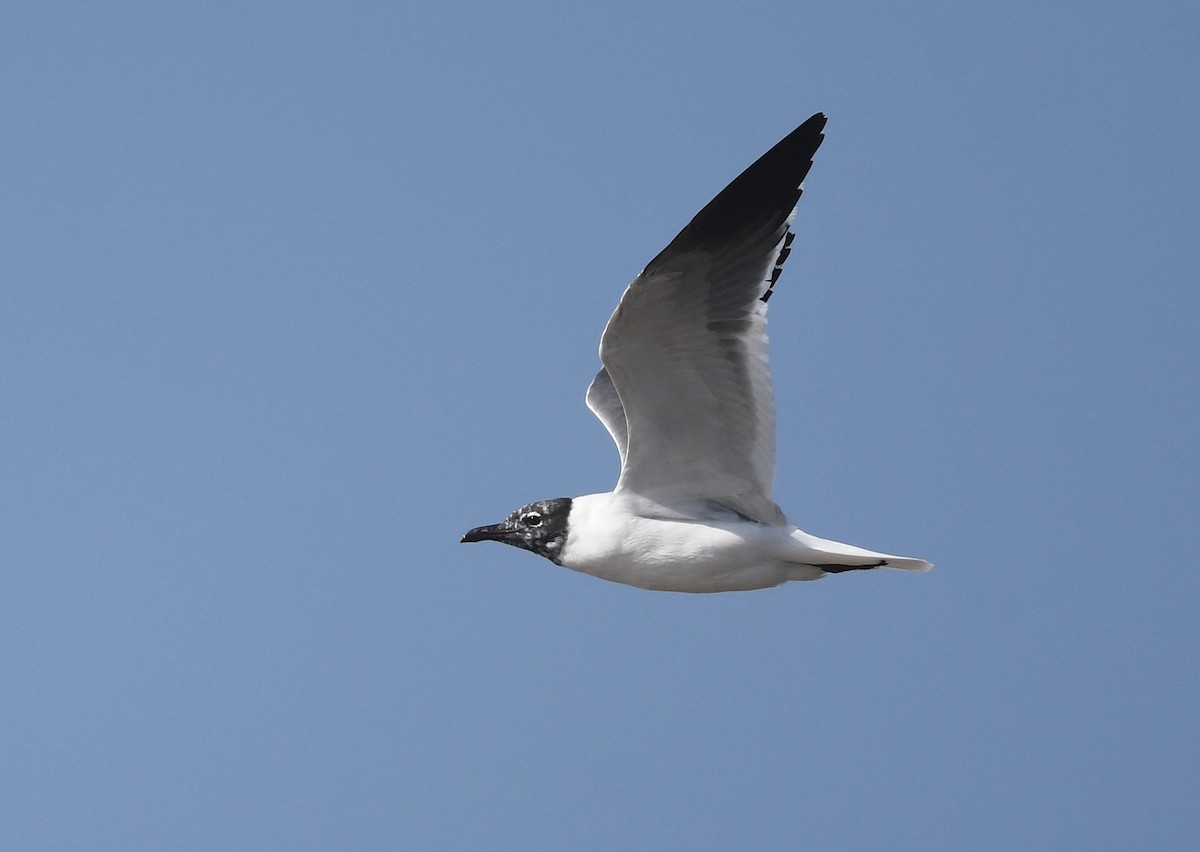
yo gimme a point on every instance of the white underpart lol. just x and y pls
(612, 536)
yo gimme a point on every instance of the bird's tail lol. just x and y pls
(834, 557)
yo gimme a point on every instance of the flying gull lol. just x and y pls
(685, 392)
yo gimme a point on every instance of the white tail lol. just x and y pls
(833, 557)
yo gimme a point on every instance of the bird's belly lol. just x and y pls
(681, 556)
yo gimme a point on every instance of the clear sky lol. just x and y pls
(291, 295)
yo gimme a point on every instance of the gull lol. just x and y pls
(685, 392)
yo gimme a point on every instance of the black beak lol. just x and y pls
(494, 532)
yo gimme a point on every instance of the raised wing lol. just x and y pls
(605, 403)
(686, 349)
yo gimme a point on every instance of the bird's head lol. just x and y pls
(539, 527)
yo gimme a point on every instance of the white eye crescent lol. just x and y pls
(531, 519)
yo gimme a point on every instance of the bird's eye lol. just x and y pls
(532, 519)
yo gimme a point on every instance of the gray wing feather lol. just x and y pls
(685, 353)
(605, 403)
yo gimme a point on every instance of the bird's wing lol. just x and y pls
(605, 403)
(686, 350)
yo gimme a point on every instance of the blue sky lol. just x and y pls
(291, 295)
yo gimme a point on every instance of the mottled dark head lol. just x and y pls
(540, 527)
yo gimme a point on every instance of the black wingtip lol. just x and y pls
(759, 200)
(772, 182)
